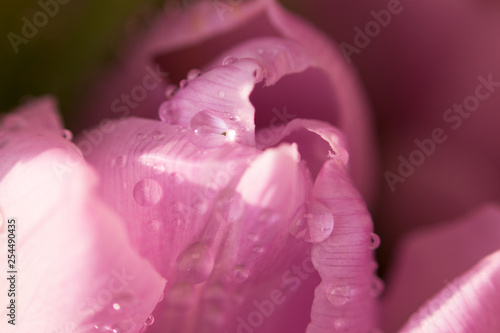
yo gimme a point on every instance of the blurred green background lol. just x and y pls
(66, 54)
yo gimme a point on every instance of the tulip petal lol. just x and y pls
(196, 37)
(213, 220)
(428, 259)
(471, 303)
(345, 300)
(75, 268)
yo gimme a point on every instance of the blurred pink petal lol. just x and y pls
(429, 259)
(470, 303)
(75, 267)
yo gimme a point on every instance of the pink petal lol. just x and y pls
(471, 303)
(346, 298)
(198, 36)
(75, 267)
(428, 259)
(228, 206)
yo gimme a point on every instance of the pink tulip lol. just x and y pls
(241, 195)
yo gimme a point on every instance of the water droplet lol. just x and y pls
(313, 222)
(340, 325)
(240, 273)
(204, 123)
(259, 250)
(171, 90)
(375, 241)
(177, 178)
(116, 306)
(147, 192)
(236, 209)
(158, 169)
(141, 136)
(195, 264)
(377, 287)
(268, 217)
(234, 118)
(120, 161)
(67, 134)
(181, 296)
(221, 94)
(157, 135)
(194, 73)
(183, 84)
(153, 225)
(339, 293)
(229, 60)
(149, 321)
(168, 112)
(231, 134)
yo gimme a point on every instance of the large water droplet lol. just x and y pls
(147, 192)
(375, 241)
(339, 293)
(168, 112)
(205, 122)
(194, 73)
(141, 136)
(67, 134)
(195, 264)
(229, 60)
(240, 273)
(171, 90)
(313, 222)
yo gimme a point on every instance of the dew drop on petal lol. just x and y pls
(149, 321)
(240, 273)
(183, 84)
(375, 241)
(120, 161)
(157, 135)
(377, 287)
(339, 293)
(340, 325)
(193, 73)
(168, 112)
(67, 134)
(153, 225)
(204, 123)
(116, 306)
(141, 136)
(229, 60)
(147, 192)
(176, 178)
(158, 169)
(195, 264)
(221, 94)
(171, 90)
(312, 222)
